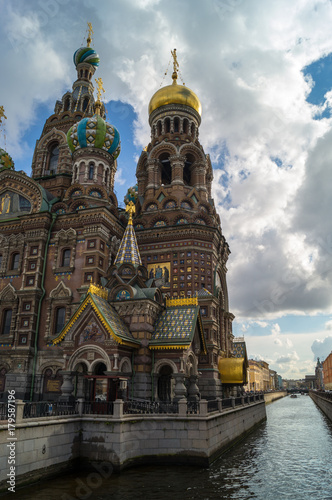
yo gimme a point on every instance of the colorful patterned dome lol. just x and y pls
(87, 55)
(131, 195)
(94, 132)
(6, 161)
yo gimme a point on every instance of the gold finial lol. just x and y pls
(130, 208)
(2, 114)
(175, 66)
(100, 89)
(89, 39)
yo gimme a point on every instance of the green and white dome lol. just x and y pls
(94, 132)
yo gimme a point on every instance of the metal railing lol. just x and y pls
(212, 405)
(323, 394)
(3, 411)
(134, 407)
(48, 409)
(97, 408)
(192, 408)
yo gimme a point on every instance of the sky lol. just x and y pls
(262, 71)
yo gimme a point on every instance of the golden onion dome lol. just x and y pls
(175, 94)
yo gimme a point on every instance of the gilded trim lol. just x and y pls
(188, 301)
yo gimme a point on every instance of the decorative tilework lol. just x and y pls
(128, 252)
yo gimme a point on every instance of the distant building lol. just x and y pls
(327, 372)
(319, 384)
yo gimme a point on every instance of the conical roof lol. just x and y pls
(128, 252)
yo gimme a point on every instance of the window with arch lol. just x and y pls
(187, 170)
(6, 321)
(166, 169)
(67, 104)
(85, 104)
(60, 316)
(53, 159)
(15, 260)
(159, 128)
(91, 171)
(185, 126)
(167, 125)
(176, 124)
(0, 259)
(65, 261)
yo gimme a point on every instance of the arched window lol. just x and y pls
(91, 171)
(165, 383)
(167, 125)
(0, 259)
(60, 315)
(54, 159)
(166, 170)
(65, 262)
(185, 126)
(6, 321)
(176, 124)
(159, 128)
(85, 104)
(67, 103)
(187, 170)
(15, 261)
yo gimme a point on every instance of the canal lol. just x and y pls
(288, 457)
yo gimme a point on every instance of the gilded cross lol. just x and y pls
(89, 39)
(130, 208)
(175, 65)
(2, 114)
(100, 88)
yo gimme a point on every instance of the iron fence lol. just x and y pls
(37, 409)
(98, 407)
(3, 411)
(212, 405)
(152, 407)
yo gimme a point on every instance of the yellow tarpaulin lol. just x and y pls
(232, 371)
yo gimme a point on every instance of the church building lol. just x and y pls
(98, 302)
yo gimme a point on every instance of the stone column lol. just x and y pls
(180, 390)
(177, 164)
(193, 391)
(67, 386)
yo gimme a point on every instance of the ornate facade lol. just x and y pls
(99, 303)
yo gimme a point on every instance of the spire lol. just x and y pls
(100, 89)
(128, 252)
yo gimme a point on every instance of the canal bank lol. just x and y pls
(128, 435)
(288, 457)
(324, 401)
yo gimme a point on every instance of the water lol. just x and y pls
(289, 457)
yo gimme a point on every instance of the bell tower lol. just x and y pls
(177, 227)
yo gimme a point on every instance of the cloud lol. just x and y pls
(288, 358)
(278, 341)
(322, 348)
(328, 325)
(275, 330)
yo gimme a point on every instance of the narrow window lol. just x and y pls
(85, 104)
(7, 319)
(91, 171)
(66, 258)
(54, 159)
(0, 260)
(176, 124)
(67, 102)
(15, 261)
(60, 319)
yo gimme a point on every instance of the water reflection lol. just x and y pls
(286, 458)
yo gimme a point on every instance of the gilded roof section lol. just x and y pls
(108, 317)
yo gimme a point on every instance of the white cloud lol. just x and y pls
(275, 330)
(322, 347)
(328, 325)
